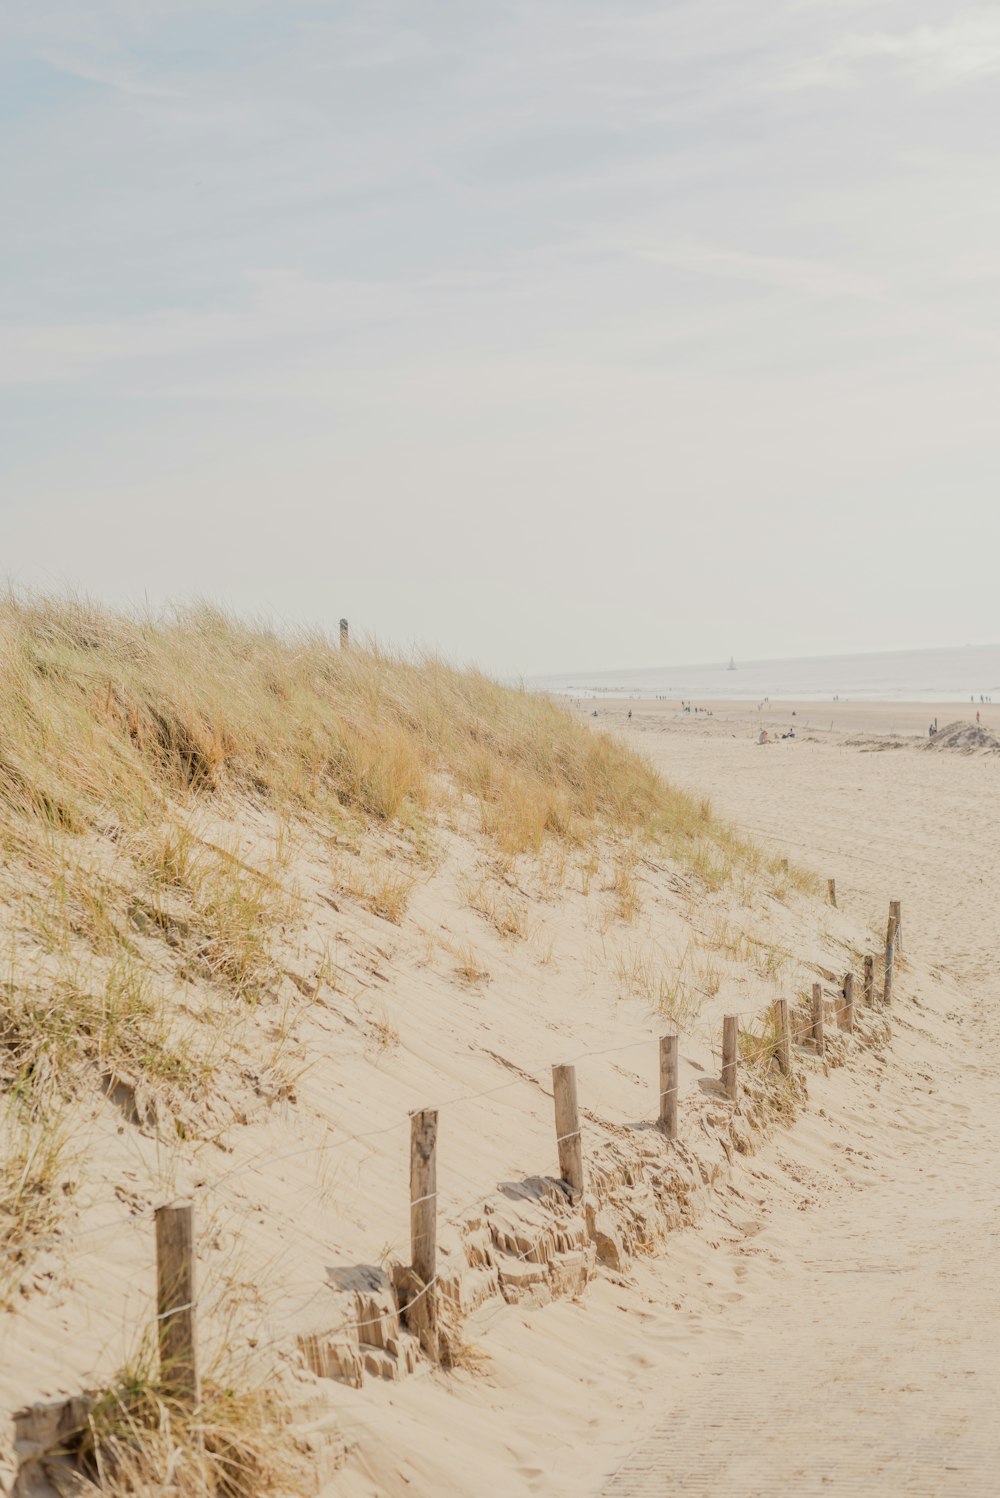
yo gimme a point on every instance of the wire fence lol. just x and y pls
(754, 1048)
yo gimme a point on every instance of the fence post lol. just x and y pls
(869, 982)
(175, 1302)
(668, 1085)
(831, 889)
(896, 910)
(817, 1019)
(568, 1138)
(730, 1042)
(846, 1016)
(422, 1312)
(783, 1049)
(344, 634)
(890, 954)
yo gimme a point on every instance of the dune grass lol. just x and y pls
(108, 718)
(128, 740)
(140, 1440)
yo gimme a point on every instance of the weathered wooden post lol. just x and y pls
(890, 957)
(730, 1044)
(896, 910)
(869, 983)
(568, 1137)
(668, 1085)
(831, 890)
(817, 1019)
(846, 1016)
(344, 634)
(783, 1048)
(422, 1309)
(175, 1302)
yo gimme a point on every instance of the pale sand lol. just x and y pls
(827, 1327)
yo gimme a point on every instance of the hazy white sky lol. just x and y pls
(553, 333)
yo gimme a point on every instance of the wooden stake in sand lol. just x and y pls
(568, 1126)
(890, 956)
(730, 1043)
(422, 1306)
(668, 1085)
(846, 1016)
(831, 889)
(817, 1020)
(423, 1193)
(344, 634)
(869, 982)
(783, 1048)
(175, 1302)
(896, 909)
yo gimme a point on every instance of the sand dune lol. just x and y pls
(771, 1307)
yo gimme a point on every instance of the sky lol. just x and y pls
(549, 334)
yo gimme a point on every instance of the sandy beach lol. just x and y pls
(816, 1318)
(822, 719)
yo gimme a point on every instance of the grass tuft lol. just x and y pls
(139, 1440)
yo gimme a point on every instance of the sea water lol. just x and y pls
(963, 674)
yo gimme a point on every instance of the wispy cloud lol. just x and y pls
(963, 51)
(811, 278)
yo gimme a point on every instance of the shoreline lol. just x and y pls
(907, 719)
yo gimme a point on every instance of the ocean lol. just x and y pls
(960, 674)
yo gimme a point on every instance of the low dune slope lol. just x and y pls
(263, 898)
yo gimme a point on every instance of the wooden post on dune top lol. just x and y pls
(568, 1138)
(831, 889)
(668, 1085)
(890, 958)
(896, 912)
(421, 1311)
(345, 634)
(175, 1302)
(730, 1044)
(846, 1015)
(869, 982)
(783, 1048)
(817, 1019)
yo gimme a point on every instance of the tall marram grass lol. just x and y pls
(106, 717)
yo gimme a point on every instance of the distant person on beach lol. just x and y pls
(630, 712)
(977, 716)
(763, 738)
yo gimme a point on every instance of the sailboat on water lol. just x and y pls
(732, 664)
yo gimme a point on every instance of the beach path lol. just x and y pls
(865, 1360)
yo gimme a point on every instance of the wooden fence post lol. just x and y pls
(831, 889)
(817, 1019)
(730, 1044)
(890, 954)
(422, 1308)
(896, 910)
(846, 1016)
(668, 1085)
(783, 1049)
(175, 1302)
(344, 634)
(869, 983)
(568, 1136)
